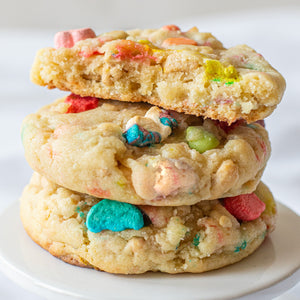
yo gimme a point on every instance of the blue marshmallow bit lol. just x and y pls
(115, 216)
(140, 137)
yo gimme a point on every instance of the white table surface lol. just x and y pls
(274, 33)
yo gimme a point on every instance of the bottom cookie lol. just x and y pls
(195, 238)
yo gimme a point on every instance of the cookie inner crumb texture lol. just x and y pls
(184, 71)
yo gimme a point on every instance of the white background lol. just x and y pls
(271, 27)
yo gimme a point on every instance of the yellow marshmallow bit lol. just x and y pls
(215, 71)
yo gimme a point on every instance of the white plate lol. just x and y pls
(277, 260)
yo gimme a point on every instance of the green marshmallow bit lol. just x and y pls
(200, 139)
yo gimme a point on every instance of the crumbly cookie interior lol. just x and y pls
(203, 79)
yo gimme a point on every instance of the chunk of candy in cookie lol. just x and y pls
(178, 41)
(200, 139)
(130, 50)
(115, 216)
(245, 207)
(140, 137)
(215, 71)
(167, 120)
(171, 27)
(79, 104)
(67, 39)
(63, 39)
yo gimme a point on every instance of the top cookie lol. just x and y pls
(188, 72)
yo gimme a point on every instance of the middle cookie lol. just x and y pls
(141, 154)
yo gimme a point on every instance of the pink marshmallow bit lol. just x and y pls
(82, 34)
(63, 39)
(67, 39)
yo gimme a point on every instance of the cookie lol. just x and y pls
(196, 238)
(141, 154)
(187, 72)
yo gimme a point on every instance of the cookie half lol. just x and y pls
(196, 238)
(141, 154)
(188, 72)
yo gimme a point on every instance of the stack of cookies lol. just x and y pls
(153, 160)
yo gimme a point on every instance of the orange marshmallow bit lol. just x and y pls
(171, 27)
(178, 41)
(133, 51)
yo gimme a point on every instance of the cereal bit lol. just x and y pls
(93, 48)
(196, 239)
(245, 207)
(171, 27)
(215, 71)
(153, 128)
(225, 222)
(167, 120)
(178, 41)
(115, 216)
(164, 123)
(67, 39)
(200, 139)
(80, 104)
(241, 247)
(140, 137)
(130, 50)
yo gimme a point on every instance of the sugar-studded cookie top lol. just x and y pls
(187, 71)
(143, 154)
